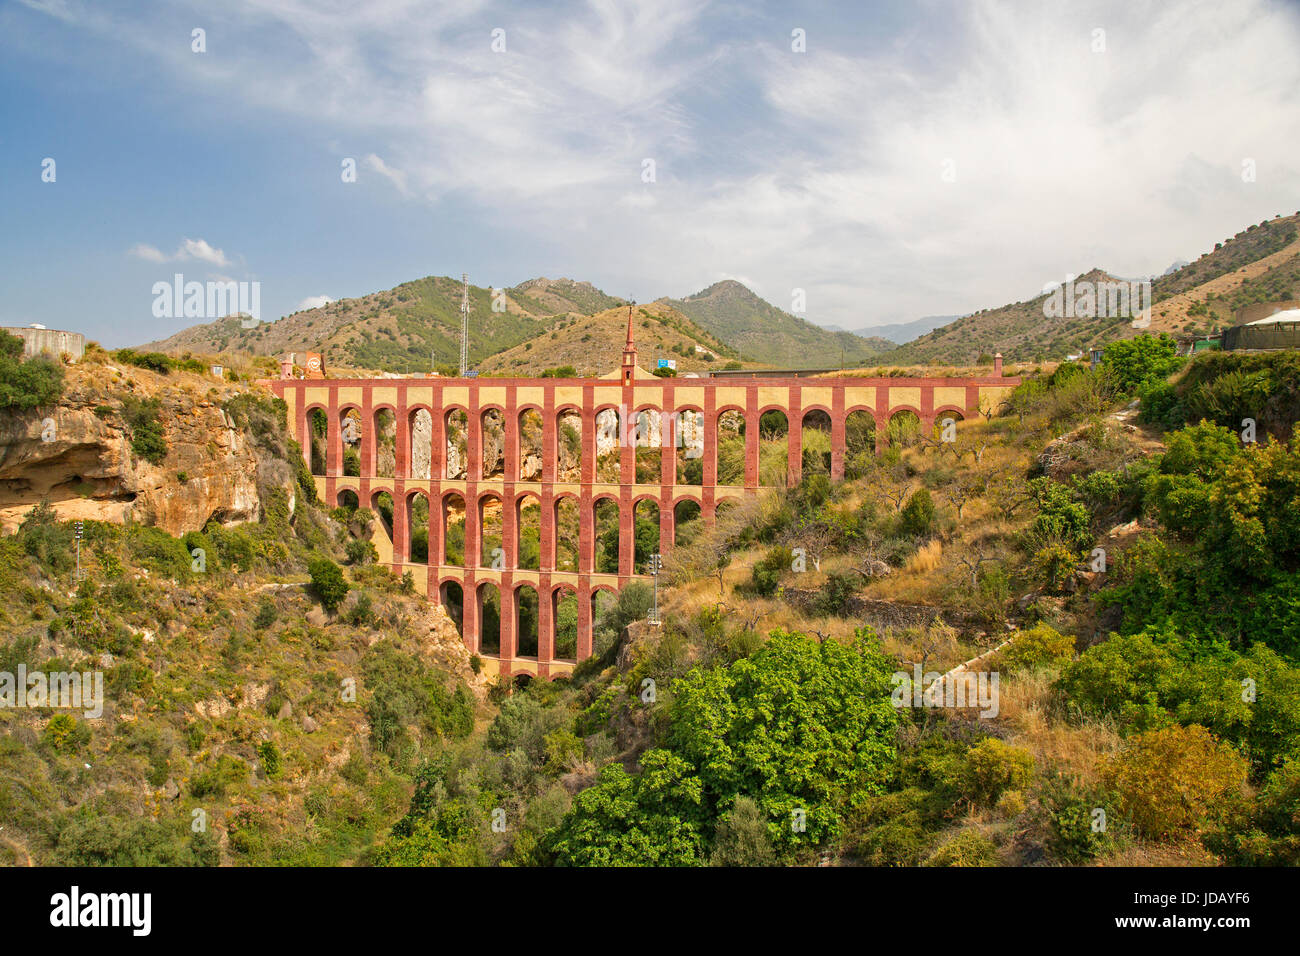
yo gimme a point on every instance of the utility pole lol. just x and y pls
(656, 564)
(464, 324)
(78, 576)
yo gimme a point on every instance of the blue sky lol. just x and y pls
(916, 158)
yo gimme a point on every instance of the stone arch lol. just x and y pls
(455, 430)
(492, 442)
(351, 434)
(317, 450)
(383, 505)
(729, 444)
(347, 498)
(568, 444)
(453, 529)
(528, 531)
(491, 547)
(686, 520)
(942, 413)
(419, 423)
(609, 444)
(564, 623)
(904, 429)
(418, 527)
(451, 595)
(384, 418)
(488, 596)
(647, 522)
(567, 527)
(527, 620)
(531, 449)
(859, 443)
(773, 446)
(815, 441)
(605, 517)
(688, 445)
(647, 423)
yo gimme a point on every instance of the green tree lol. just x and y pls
(328, 582)
(26, 384)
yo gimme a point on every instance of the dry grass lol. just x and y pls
(928, 557)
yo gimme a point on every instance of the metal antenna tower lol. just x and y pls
(464, 324)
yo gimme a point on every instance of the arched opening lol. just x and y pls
(526, 616)
(564, 617)
(491, 547)
(568, 446)
(493, 440)
(381, 502)
(600, 602)
(816, 438)
(350, 430)
(730, 445)
(773, 448)
(417, 523)
(318, 424)
(420, 423)
(688, 442)
(648, 436)
(945, 425)
(645, 523)
(686, 522)
(456, 429)
(568, 530)
(904, 428)
(530, 445)
(521, 681)
(528, 532)
(452, 597)
(604, 523)
(453, 529)
(609, 444)
(489, 618)
(385, 443)
(859, 444)
(347, 498)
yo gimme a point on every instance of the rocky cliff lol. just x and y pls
(78, 454)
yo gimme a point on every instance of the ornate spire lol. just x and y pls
(630, 346)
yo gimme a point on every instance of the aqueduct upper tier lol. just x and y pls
(481, 461)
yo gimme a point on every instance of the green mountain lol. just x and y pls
(761, 332)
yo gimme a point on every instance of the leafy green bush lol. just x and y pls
(1134, 362)
(27, 384)
(148, 437)
(917, 517)
(328, 582)
(765, 575)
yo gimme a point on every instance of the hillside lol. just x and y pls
(1258, 264)
(402, 329)
(592, 344)
(760, 332)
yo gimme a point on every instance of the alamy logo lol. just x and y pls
(1091, 300)
(211, 300)
(61, 690)
(72, 909)
(959, 689)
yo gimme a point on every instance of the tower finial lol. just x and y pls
(630, 344)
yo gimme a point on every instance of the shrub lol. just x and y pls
(26, 384)
(148, 438)
(917, 516)
(766, 573)
(328, 582)
(1040, 646)
(1171, 781)
(994, 767)
(967, 848)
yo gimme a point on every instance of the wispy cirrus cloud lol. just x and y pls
(199, 250)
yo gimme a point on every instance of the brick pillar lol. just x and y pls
(511, 453)
(588, 469)
(510, 527)
(751, 436)
(710, 439)
(550, 438)
(972, 401)
(368, 442)
(334, 437)
(626, 533)
(473, 525)
(473, 439)
(402, 468)
(584, 618)
(794, 453)
(509, 619)
(667, 524)
(837, 434)
(401, 529)
(668, 428)
(627, 441)
(927, 410)
(438, 440)
(882, 418)
(545, 623)
(469, 616)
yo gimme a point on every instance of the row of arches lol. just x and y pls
(522, 622)
(643, 447)
(525, 532)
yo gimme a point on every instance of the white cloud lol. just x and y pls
(312, 302)
(189, 250)
(394, 176)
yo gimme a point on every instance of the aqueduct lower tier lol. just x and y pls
(431, 402)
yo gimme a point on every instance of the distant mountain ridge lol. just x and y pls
(761, 332)
(904, 332)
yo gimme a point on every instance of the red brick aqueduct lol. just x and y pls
(629, 391)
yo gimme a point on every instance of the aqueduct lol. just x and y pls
(658, 440)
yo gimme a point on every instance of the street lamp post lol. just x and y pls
(656, 565)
